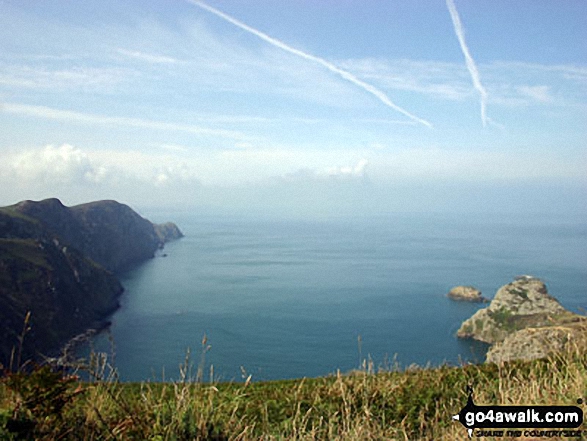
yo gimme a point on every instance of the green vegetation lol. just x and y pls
(414, 404)
(512, 322)
(57, 264)
(505, 319)
(11, 212)
(26, 249)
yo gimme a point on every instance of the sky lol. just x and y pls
(296, 108)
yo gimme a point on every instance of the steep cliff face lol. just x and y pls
(64, 292)
(523, 322)
(108, 232)
(57, 263)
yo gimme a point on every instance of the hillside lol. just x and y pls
(108, 232)
(58, 263)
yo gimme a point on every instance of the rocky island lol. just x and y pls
(524, 322)
(466, 294)
(60, 263)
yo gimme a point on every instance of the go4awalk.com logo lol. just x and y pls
(518, 421)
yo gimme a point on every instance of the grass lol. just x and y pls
(505, 318)
(25, 249)
(12, 212)
(414, 404)
(512, 322)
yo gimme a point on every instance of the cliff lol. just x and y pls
(524, 322)
(58, 263)
(108, 232)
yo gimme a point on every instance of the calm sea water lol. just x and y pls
(285, 299)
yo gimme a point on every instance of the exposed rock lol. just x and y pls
(57, 263)
(518, 305)
(523, 321)
(167, 232)
(532, 343)
(526, 296)
(466, 294)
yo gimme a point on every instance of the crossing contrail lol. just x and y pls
(458, 26)
(331, 67)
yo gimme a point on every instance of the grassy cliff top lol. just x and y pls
(416, 404)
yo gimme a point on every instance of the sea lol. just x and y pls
(243, 298)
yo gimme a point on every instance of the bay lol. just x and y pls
(281, 299)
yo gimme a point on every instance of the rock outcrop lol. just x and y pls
(524, 322)
(58, 263)
(167, 232)
(532, 343)
(466, 294)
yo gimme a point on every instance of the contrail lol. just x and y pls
(454, 15)
(331, 67)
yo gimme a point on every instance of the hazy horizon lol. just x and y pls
(297, 109)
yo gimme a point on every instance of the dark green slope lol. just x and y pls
(57, 263)
(108, 232)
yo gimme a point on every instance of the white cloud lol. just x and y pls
(357, 171)
(78, 175)
(81, 78)
(237, 167)
(554, 85)
(226, 66)
(181, 171)
(161, 168)
(507, 82)
(57, 165)
(537, 93)
(574, 72)
(272, 180)
(149, 58)
(432, 78)
(88, 118)
(69, 165)
(320, 61)
(333, 175)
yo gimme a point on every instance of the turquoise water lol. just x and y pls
(285, 299)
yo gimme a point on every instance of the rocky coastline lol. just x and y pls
(58, 267)
(523, 321)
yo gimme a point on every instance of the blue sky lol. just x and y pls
(298, 107)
